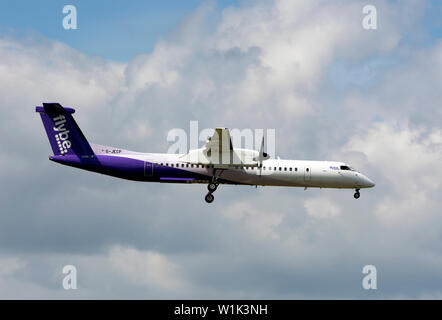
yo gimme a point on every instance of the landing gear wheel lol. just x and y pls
(357, 194)
(209, 198)
(212, 186)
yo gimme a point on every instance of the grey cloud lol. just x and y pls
(259, 67)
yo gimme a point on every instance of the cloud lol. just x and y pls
(146, 268)
(10, 265)
(321, 208)
(408, 161)
(292, 66)
(258, 223)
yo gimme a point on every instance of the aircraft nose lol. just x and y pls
(367, 183)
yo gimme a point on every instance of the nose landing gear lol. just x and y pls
(357, 194)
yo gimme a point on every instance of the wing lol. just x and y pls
(219, 152)
(219, 142)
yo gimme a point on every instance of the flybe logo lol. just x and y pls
(62, 137)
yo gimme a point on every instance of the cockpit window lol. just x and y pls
(347, 168)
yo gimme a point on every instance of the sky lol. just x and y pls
(119, 30)
(331, 89)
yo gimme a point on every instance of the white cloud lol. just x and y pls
(52, 71)
(321, 208)
(146, 268)
(257, 222)
(10, 265)
(265, 65)
(409, 161)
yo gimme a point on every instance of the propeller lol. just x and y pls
(262, 155)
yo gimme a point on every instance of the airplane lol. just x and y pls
(218, 162)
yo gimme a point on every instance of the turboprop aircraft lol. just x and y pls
(218, 162)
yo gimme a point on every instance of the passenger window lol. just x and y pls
(280, 168)
(285, 168)
(296, 169)
(307, 169)
(290, 169)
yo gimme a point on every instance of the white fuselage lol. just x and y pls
(274, 172)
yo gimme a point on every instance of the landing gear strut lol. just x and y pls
(357, 194)
(212, 186)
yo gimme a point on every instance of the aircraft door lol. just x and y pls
(148, 169)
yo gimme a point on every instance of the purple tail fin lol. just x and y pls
(63, 132)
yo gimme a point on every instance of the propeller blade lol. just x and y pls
(261, 155)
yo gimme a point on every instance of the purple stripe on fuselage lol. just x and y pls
(128, 168)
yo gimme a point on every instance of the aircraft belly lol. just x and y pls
(256, 179)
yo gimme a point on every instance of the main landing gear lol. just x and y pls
(212, 188)
(357, 194)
